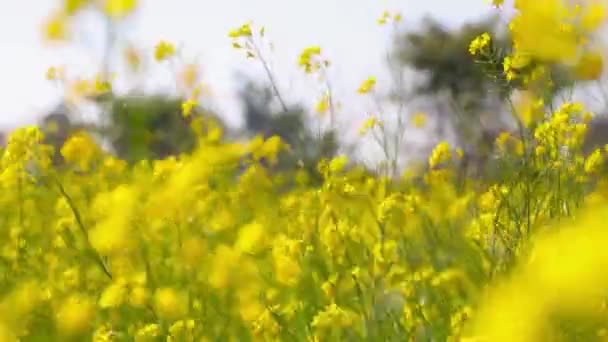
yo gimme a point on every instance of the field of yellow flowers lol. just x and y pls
(213, 246)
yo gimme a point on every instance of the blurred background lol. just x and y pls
(426, 86)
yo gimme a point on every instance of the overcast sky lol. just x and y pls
(345, 29)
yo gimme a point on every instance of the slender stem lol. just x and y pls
(269, 74)
(83, 229)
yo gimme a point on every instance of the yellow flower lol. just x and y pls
(75, 315)
(170, 304)
(367, 85)
(56, 27)
(139, 296)
(112, 234)
(369, 124)
(384, 18)
(190, 75)
(497, 3)
(164, 50)
(419, 119)
(118, 9)
(594, 161)
(589, 67)
(251, 238)
(322, 105)
(242, 31)
(114, 295)
(72, 6)
(440, 154)
(101, 85)
(193, 249)
(80, 149)
(593, 15)
(286, 266)
(545, 28)
(55, 73)
(530, 109)
(333, 316)
(479, 44)
(133, 58)
(307, 59)
(224, 262)
(188, 106)
(147, 333)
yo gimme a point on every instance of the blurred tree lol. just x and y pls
(475, 91)
(452, 78)
(151, 127)
(306, 148)
(136, 127)
(469, 95)
(57, 127)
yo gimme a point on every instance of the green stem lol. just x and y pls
(83, 229)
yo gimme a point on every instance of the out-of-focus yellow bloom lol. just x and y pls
(56, 27)
(369, 124)
(113, 233)
(80, 149)
(133, 58)
(72, 6)
(545, 28)
(440, 154)
(333, 316)
(190, 75)
(242, 31)
(55, 74)
(388, 17)
(419, 119)
(543, 286)
(119, 9)
(164, 50)
(594, 161)
(589, 67)
(497, 3)
(188, 107)
(322, 105)
(170, 304)
(148, 332)
(75, 315)
(251, 238)
(530, 109)
(367, 85)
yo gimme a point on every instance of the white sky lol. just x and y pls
(345, 29)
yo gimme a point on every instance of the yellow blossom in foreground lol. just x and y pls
(440, 154)
(170, 304)
(594, 162)
(589, 67)
(333, 316)
(81, 150)
(544, 28)
(522, 306)
(75, 315)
